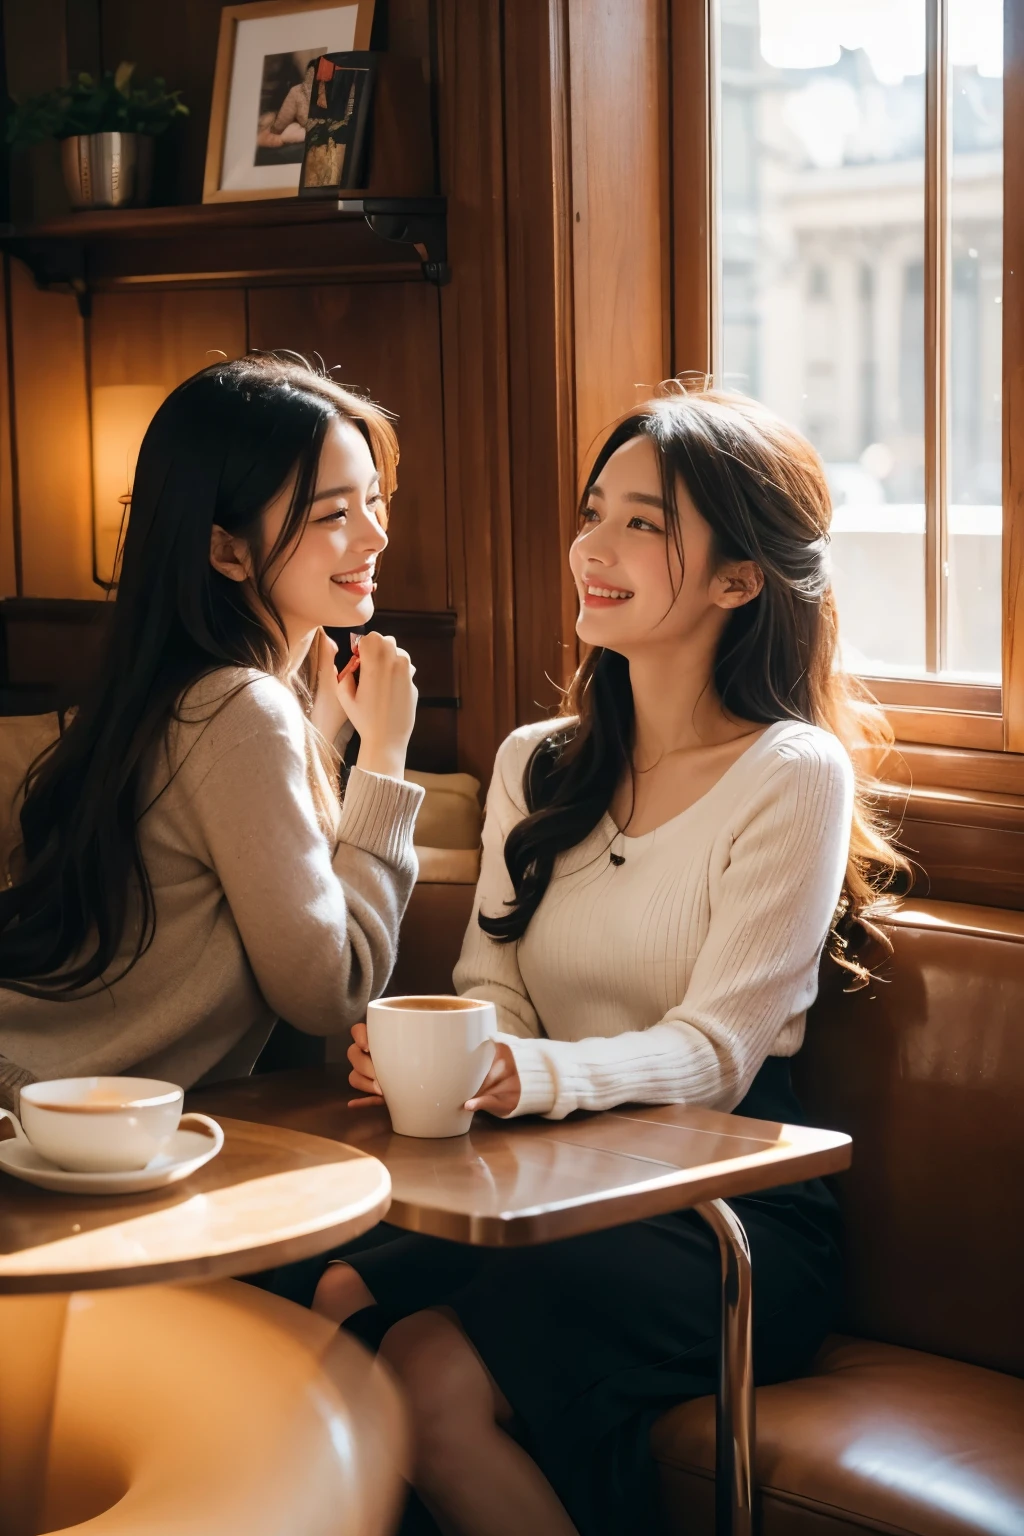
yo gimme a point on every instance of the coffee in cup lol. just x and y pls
(430, 1054)
(100, 1124)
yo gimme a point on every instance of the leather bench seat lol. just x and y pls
(876, 1437)
(912, 1422)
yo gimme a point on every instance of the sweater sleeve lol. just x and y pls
(486, 969)
(319, 923)
(12, 1080)
(771, 907)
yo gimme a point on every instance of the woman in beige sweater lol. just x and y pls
(188, 869)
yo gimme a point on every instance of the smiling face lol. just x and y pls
(326, 577)
(634, 589)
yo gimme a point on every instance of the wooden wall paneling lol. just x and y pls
(8, 550)
(179, 42)
(163, 337)
(955, 769)
(83, 45)
(1013, 383)
(382, 339)
(410, 33)
(408, 26)
(474, 331)
(619, 125)
(51, 428)
(946, 727)
(541, 383)
(151, 339)
(965, 847)
(692, 186)
(35, 41)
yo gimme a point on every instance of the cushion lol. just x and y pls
(876, 1437)
(450, 816)
(448, 866)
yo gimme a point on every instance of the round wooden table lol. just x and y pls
(272, 1196)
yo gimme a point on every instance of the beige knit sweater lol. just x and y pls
(259, 913)
(670, 977)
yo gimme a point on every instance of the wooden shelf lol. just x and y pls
(262, 242)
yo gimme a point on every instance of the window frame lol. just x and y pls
(931, 712)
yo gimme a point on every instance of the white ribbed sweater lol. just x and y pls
(669, 978)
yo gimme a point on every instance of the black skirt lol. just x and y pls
(593, 1337)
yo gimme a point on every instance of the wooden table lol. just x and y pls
(533, 1181)
(271, 1196)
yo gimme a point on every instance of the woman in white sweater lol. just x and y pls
(187, 871)
(661, 871)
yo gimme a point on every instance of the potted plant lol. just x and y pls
(106, 128)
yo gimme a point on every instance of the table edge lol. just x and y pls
(658, 1197)
(360, 1217)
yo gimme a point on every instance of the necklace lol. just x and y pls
(618, 859)
(672, 751)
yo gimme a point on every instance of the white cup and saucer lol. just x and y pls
(106, 1136)
(430, 1054)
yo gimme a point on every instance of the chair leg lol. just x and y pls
(734, 1451)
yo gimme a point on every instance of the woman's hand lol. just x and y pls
(499, 1093)
(380, 700)
(361, 1077)
(328, 713)
(501, 1090)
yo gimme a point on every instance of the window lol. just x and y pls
(855, 260)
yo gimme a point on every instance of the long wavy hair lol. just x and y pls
(219, 450)
(761, 488)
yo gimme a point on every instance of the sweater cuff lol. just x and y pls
(378, 815)
(12, 1080)
(537, 1096)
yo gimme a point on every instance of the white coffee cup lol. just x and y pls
(430, 1054)
(100, 1124)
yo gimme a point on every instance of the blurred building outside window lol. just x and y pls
(821, 186)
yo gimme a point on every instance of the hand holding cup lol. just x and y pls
(433, 1061)
(498, 1094)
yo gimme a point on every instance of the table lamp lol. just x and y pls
(120, 415)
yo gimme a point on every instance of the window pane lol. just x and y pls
(822, 241)
(975, 514)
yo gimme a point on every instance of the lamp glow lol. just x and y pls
(120, 415)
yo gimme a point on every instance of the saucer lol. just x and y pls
(186, 1151)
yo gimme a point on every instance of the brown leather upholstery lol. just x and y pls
(925, 1069)
(882, 1437)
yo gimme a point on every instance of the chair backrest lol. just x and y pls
(925, 1069)
(22, 738)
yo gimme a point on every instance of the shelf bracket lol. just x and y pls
(59, 268)
(421, 223)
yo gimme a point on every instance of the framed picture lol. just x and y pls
(262, 87)
(339, 111)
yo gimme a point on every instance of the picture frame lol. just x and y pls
(265, 54)
(336, 129)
